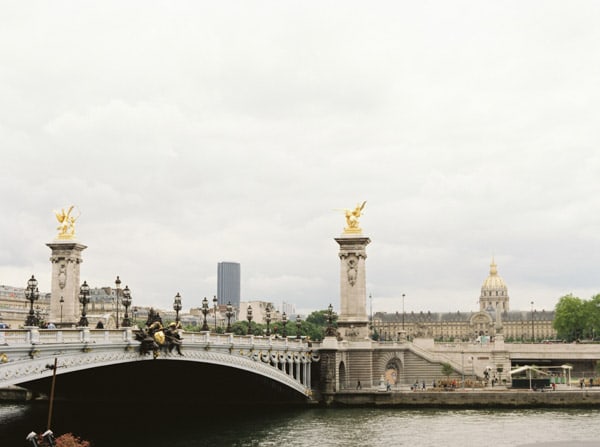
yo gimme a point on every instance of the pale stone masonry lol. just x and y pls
(66, 259)
(353, 322)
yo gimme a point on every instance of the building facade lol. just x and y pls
(14, 307)
(228, 283)
(494, 315)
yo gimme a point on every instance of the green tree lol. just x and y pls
(447, 369)
(240, 327)
(569, 319)
(375, 335)
(316, 323)
(592, 313)
(318, 318)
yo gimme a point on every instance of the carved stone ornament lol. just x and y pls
(352, 264)
(62, 276)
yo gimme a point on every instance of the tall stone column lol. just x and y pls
(66, 258)
(353, 322)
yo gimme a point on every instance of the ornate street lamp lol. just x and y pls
(532, 334)
(205, 312)
(177, 306)
(215, 310)
(403, 312)
(126, 300)
(62, 301)
(268, 318)
(117, 290)
(298, 326)
(284, 321)
(84, 299)
(32, 294)
(229, 314)
(249, 317)
(330, 332)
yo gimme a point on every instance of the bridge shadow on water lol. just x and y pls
(169, 382)
(161, 402)
(199, 422)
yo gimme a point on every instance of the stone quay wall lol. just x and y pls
(466, 399)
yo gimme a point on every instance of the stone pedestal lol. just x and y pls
(328, 370)
(66, 258)
(329, 343)
(499, 342)
(353, 322)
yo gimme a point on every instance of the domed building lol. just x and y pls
(494, 293)
(494, 316)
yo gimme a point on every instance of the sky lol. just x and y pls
(193, 132)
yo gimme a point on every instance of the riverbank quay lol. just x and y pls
(15, 394)
(465, 398)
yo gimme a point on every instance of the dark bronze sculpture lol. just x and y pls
(154, 336)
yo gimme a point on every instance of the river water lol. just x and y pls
(205, 425)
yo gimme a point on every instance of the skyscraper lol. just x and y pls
(228, 283)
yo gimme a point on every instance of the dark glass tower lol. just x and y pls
(228, 283)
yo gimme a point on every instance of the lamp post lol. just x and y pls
(229, 314)
(177, 306)
(284, 321)
(117, 290)
(62, 301)
(371, 310)
(268, 318)
(126, 302)
(32, 294)
(462, 367)
(298, 326)
(330, 332)
(205, 312)
(84, 299)
(532, 334)
(402, 311)
(249, 317)
(215, 310)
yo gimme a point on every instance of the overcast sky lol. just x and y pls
(189, 133)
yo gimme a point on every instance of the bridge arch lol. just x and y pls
(279, 363)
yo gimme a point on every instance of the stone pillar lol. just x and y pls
(66, 258)
(328, 370)
(353, 322)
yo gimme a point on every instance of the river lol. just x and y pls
(201, 425)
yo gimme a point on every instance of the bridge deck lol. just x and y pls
(25, 354)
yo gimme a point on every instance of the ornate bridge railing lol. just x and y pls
(25, 354)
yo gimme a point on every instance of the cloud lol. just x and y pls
(188, 134)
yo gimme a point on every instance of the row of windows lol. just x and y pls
(494, 293)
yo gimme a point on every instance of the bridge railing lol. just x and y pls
(79, 335)
(14, 337)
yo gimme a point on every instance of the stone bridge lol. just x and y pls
(27, 355)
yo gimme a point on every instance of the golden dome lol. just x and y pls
(493, 282)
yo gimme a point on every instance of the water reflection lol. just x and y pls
(200, 425)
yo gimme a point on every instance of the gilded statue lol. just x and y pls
(352, 217)
(66, 227)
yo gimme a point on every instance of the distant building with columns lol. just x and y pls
(448, 326)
